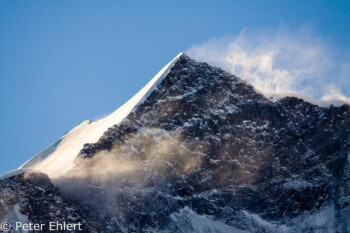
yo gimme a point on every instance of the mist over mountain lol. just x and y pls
(196, 150)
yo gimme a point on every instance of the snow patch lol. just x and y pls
(322, 221)
(189, 221)
(265, 224)
(21, 217)
(14, 216)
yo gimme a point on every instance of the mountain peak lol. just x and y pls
(203, 145)
(179, 82)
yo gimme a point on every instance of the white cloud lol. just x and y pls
(280, 63)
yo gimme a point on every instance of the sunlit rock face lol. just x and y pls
(205, 152)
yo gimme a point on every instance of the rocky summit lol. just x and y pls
(202, 152)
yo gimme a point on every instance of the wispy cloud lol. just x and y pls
(281, 62)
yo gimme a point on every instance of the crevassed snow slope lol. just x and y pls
(57, 159)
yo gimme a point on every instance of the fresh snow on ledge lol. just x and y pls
(321, 103)
(59, 158)
(14, 172)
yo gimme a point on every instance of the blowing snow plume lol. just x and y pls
(149, 150)
(145, 160)
(281, 63)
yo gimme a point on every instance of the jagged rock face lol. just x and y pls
(206, 148)
(278, 160)
(31, 197)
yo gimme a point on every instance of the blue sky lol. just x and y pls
(62, 62)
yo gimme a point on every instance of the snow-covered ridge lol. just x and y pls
(58, 158)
